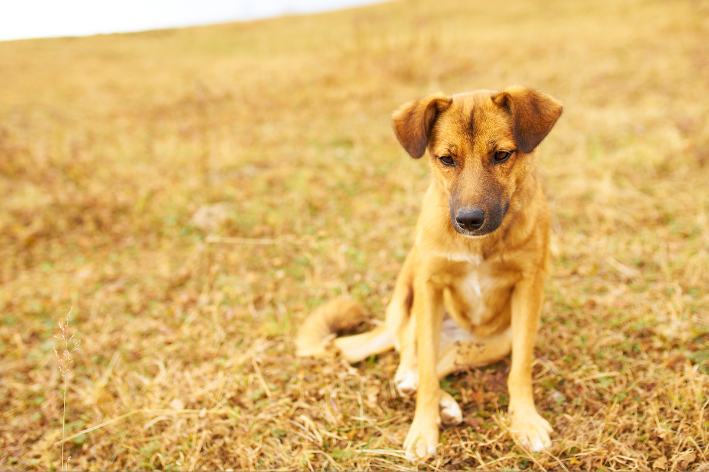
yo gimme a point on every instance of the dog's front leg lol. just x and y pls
(407, 375)
(422, 439)
(529, 428)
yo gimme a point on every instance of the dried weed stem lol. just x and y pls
(65, 362)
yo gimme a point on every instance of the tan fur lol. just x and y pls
(319, 329)
(466, 297)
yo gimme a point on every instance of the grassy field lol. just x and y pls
(193, 194)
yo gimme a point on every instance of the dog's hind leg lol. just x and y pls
(450, 410)
(318, 330)
(461, 349)
(360, 346)
(388, 335)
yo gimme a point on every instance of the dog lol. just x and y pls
(471, 287)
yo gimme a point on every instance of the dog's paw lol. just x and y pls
(530, 429)
(407, 382)
(422, 439)
(450, 410)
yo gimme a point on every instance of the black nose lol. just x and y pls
(471, 219)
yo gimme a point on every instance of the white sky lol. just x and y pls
(21, 19)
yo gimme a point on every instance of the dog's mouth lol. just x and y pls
(475, 222)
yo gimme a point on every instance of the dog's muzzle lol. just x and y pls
(474, 221)
(470, 219)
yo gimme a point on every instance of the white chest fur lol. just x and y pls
(474, 259)
(479, 292)
(473, 288)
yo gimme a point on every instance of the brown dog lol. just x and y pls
(471, 287)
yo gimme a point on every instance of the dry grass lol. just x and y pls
(64, 362)
(110, 145)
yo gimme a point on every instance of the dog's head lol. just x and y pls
(479, 144)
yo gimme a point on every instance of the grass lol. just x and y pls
(279, 130)
(64, 361)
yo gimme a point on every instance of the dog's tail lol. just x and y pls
(320, 328)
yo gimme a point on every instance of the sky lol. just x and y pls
(23, 19)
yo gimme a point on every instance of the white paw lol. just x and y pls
(422, 439)
(530, 429)
(450, 410)
(407, 382)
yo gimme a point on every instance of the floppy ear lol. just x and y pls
(414, 120)
(533, 114)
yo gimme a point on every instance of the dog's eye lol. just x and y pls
(447, 160)
(502, 156)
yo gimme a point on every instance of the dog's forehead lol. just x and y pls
(477, 113)
(469, 101)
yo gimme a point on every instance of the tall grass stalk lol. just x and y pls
(65, 362)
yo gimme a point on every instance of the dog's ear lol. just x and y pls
(533, 114)
(414, 120)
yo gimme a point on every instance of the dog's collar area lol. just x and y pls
(462, 257)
